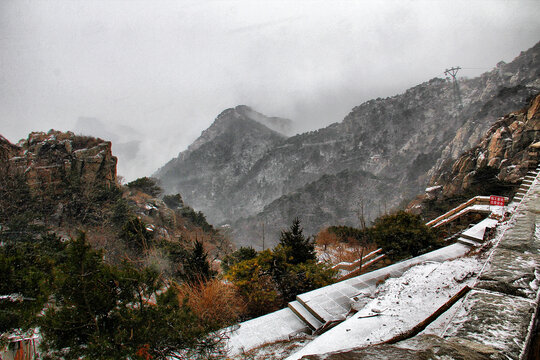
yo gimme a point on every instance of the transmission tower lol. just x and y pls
(453, 73)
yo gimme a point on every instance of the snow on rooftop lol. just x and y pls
(398, 305)
(269, 328)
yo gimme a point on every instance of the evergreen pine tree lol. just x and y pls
(107, 312)
(197, 268)
(26, 276)
(298, 248)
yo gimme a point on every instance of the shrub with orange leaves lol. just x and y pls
(215, 303)
(325, 238)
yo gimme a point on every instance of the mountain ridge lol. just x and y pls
(399, 137)
(228, 148)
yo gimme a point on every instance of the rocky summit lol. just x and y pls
(54, 159)
(384, 152)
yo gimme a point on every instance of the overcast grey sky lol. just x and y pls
(166, 69)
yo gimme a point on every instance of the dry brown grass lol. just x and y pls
(213, 301)
(350, 251)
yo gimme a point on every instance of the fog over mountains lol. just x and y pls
(167, 68)
(242, 173)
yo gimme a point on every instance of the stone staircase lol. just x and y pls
(332, 303)
(306, 314)
(525, 185)
(474, 235)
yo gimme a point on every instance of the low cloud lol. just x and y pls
(166, 69)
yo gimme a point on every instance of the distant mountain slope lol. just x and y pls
(205, 174)
(320, 203)
(400, 140)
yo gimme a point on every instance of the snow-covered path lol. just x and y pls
(399, 304)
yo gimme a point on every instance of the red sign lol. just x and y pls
(496, 200)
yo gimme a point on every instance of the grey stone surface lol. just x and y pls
(512, 273)
(521, 237)
(423, 347)
(334, 301)
(494, 320)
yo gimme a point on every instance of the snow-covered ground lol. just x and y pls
(398, 305)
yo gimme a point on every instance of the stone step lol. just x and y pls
(527, 181)
(310, 310)
(305, 315)
(468, 237)
(467, 242)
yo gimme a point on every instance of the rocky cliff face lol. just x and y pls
(401, 141)
(505, 147)
(54, 159)
(319, 204)
(7, 151)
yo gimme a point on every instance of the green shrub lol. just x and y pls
(242, 254)
(173, 201)
(146, 185)
(135, 234)
(403, 235)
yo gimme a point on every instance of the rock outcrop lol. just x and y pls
(505, 147)
(67, 183)
(401, 140)
(7, 151)
(54, 159)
